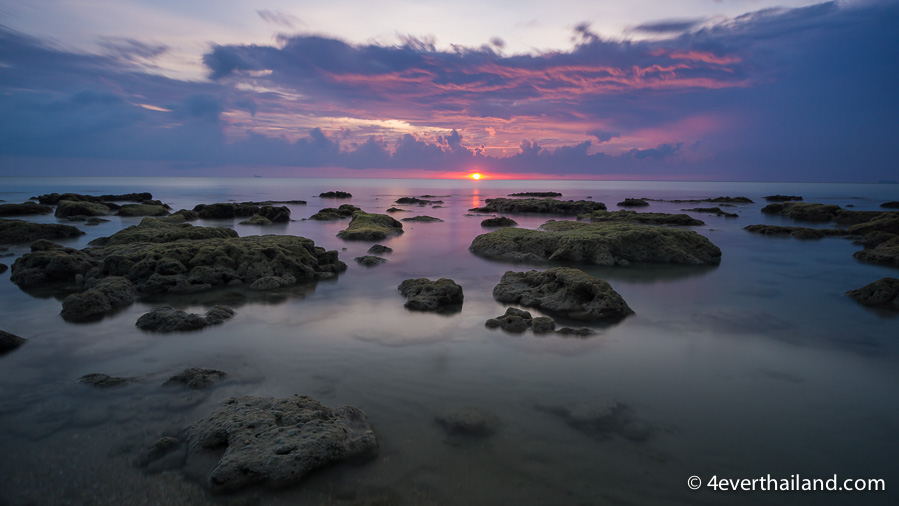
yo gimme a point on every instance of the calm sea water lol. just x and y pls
(758, 366)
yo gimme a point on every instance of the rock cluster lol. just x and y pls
(370, 227)
(229, 210)
(54, 198)
(782, 198)
(196, 378)
(806, 211)
(19, 231)
(100, 297)
(635, 217)
(422, 294)
(542, 206)
(168, 319)
(67, 208)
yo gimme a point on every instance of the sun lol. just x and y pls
(476, 176)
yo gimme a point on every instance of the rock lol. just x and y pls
(894, 204)
(535, 194)
(422, 219)
(601, 419)
(635, 217)
(331, 213)
(514, 320)
(542, 206)
(580, 331)
(413, 200)
(336, 195)
(717, 200)
(166, 454)
(423, 294)
(132, 197)
(72, 208)
(24, 209)
(93, 221)
(370, 260)
(279, 214)
(224, 211)
(168, 319)
(102, 296)
(396, 210)
(473, 422)
(187, 214)
(782, 198)
(563, 290)
(886, 252)
(196, 378)
(47, 264)
(805, 211)
(98, 380)
(379, 249)
(628, 202)
(598, 244)
(501, 221)
(19, 231)
(712, 210)
(160, 230)
(9, 342)
(543, 325)
(257, 219)
(276, 442)
(3, 268)
(144, 209)
(883, 293)
(886, 222)
(370, 227)
(797, 232)
(54, 198)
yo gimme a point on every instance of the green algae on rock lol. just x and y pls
(370, 227)
(332, 213)
(24, 209)
(883, 293)
(541, 206)
(797, 232)
(635, 217)
(20, 231)
(597, 244)
(500, 221)
(422, 294)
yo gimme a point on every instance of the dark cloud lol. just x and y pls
(668, 26)
(603, 136)
(132, 49)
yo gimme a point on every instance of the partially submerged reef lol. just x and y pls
(597, 244)
(20, 231)
(541, 206)
(635, 217)
(158, 256)
(422, 294)
(335, 213)
(24, 209)
(370, 227)
(229, 210)
(883, 293)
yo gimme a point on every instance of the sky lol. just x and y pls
(734, 90)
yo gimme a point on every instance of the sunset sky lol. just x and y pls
(758, 90)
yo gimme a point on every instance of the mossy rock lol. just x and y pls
(796, 232)
(540, 206)
(80, 208)
(257, 219)
(24, 209)
(422, 219)
(883, 293)
(161, 230)
(501, 221)
(422, 294)
(635, 217)
(370, 227)
(20, 231)
(886, 252)
(142, 210)
(633, 203)
(335, 213)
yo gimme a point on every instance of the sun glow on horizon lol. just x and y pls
(476, 176)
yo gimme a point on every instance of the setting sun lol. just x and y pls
(476, 176)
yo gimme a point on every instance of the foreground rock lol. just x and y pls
(501, 221)
(370, 227)
(370, 260)
(422, 294)
(24, 209)
(9, 342)
(563, 290)
(50, 263)
(797, 232)
(597, 244)
(635, 217)
(633, 203)
(518, 320)
(331, 213)
(883, 293)
(601, 419)
(80, 208)
(19, 231)
(101, 297)
(336, 195)
(98, 380)
(276, 442)
(196, 378)
(536, 194)
(168, 319)
(473, 422)
(542, 206)
(422, 219)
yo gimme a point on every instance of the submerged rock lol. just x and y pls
(98, 380)
(422, 219)
(717, 211)
(3, 268)
(379, 249)
(782, 198)
(601, 419)
(635, 217)
(102, 296)
(563, 290)
(598, 244)
(543, 206)
(370, 227)
(331, 213)
(805, 211)
(257, 219)
(24, 209)
(628, 202)
(80, 208)
(196, 378)
(166, 454)
(797, 232)
(422, 294)
(9, 342)
(19, 231)
(474, 422)
(501, 221)
(579, 331)
(396, 210)
(535, 194)
(336, 195)
(415, 200)
(276, 442)
(883, 293)
(370, 260)
(168, 319)
(518, 320)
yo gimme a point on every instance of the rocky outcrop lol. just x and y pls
(276, 442)
(635, 217)
(168, 319)
(805, 211)
(370, 227)
(885, 252)
(886, 222)
(50, 263)
(893, 204)
(501, 221)
(629, 202)
(422, 294)
(80, 208)
(331, 213)
(601, 419)
(536, 194)
(196, 378)
(379, 249)
(472, 422)
(715, 200)
(257, 219)
(883, 293)
(98, 380)
(336, 195)
(540, 206)
(225, 211)
(422, 219)
(19, 231)
(370, 260)
(101, 297)
(782, 198)
(153, 230)
(597, 244)
(396, 210)
(717, 211)
(9, 342)
(145, 209)
(518, 320)
(418, 201)
(53, 199)
(563, 290)
(797, 232)
(24, 209)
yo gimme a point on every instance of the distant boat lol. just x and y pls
(256, 175)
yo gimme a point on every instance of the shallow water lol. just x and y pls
(758, 366)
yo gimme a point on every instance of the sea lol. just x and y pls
(760, 368)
